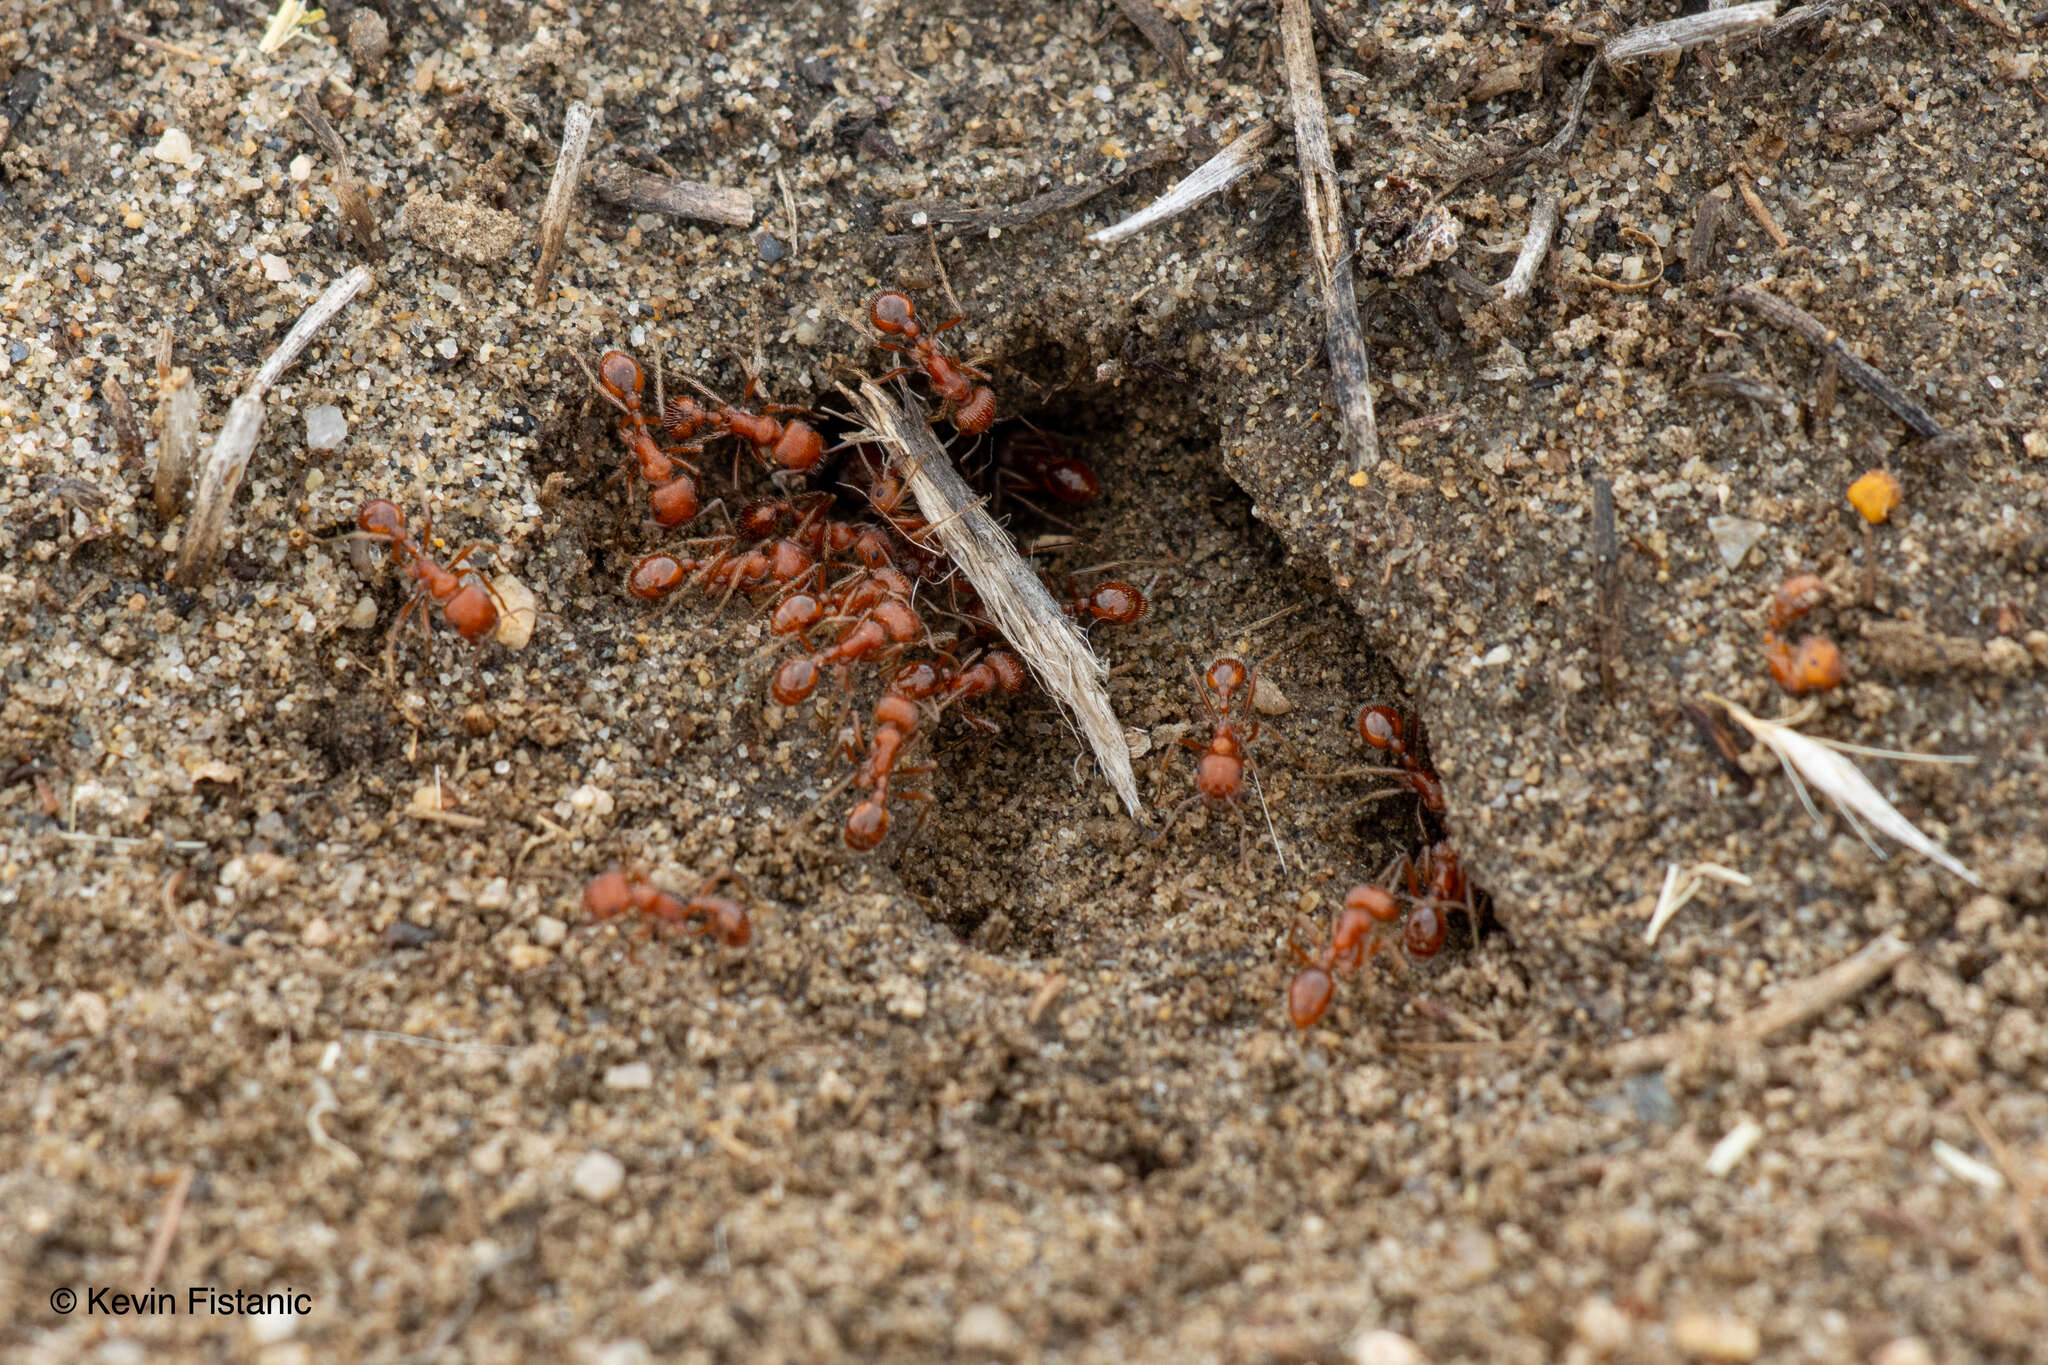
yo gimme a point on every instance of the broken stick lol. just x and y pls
(672, 198)
(1794, 1005)
(554, 217)
(1323, 201)
(221, 474)
(1790, 317)
(1050, 645)
(1213, 176)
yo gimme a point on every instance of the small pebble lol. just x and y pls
(1903, 1351)
(1386, 1348)
(630, 1076)
(363, 614)
(1602, 1328)
(987, 1330)
(369, 38)
(265, 1328)
(1268, 699)
(517, 613)
(276, 269)
(589, 800)
(598, 1176)
(318, 934)
(549, 931)
(133, 220)
(175, 146)
(527, 957)
(326, 428)
(1734, 537)
(1716, 1336)
(769, 246)
(302, 165)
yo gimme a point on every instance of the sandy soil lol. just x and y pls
(293, 960)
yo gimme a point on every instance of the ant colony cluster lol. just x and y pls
(850, 575)
(1412, 900)
(854, 582)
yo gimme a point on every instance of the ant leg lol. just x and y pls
(1173, 818)
(896, 373)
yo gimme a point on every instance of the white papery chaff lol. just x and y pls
(1821, 762)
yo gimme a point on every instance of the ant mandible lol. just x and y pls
(970, 407)
(612, 894)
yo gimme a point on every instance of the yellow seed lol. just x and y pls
(1875, 495)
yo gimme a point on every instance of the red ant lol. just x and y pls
(971, 407)
(1436, 884)
(1380, 727)
(467, 602)
(1032, 461)
(1219, 776)
(793, 445)
(1353, 942)
(673, 499)
(615, 893)
(1109, 601)
(882, 629)
(896, 716)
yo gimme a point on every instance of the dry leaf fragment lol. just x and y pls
(1821, 762)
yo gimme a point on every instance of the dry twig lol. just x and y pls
(1160, 32)
(222, 473)
(1535, 246)
(672, 198)
(1323, 203)
(166, 1230)
(1213, 176)
(1056, 652)
(1790, 317)
(554, 217)
(1795, 1005)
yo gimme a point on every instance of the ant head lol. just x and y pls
(1225, 677)
(380, 517)
(893, 314)
(794, 682)
(898, 710)
(1423, 935)
(619, 375)
(1380, 726)
(1374, 901)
